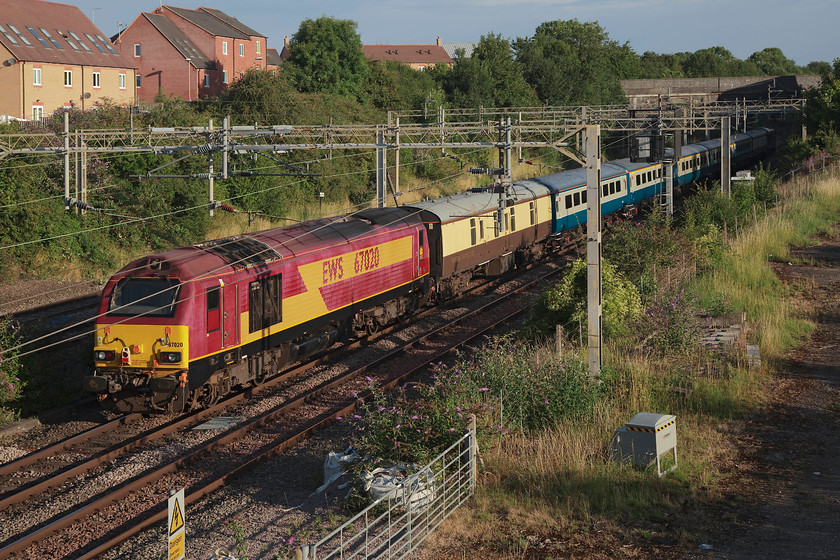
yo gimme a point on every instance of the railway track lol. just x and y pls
(209, 465)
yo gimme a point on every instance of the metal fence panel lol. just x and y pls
(393, 526)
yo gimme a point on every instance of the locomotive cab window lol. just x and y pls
(265, 302)
(147, 297)
(214, 309)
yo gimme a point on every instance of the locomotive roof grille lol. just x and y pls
(241, 252)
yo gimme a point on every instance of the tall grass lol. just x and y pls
(743, 276)
(558, 481)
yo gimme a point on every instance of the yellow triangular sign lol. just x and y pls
(177, 519)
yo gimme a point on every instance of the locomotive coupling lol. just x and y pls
(95, 383)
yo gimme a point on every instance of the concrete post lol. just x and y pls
(593, 247)
(725, 158)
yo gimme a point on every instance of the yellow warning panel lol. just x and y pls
(176, 526)
(177, 548)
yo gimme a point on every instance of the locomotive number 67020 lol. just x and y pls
(366, 260)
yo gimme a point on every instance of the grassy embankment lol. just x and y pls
(557, 483)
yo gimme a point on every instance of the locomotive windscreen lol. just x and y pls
(149, 297)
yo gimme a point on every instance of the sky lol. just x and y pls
(805, 30)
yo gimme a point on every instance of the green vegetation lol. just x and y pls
(544, 429)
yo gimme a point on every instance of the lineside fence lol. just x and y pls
(397, 523)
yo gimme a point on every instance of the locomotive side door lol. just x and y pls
(230, 315)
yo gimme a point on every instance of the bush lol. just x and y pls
(565, 303)
(11, 386)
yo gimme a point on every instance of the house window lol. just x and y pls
(206, 80)
(37, 112)
(137, 80)
(224, 47)
(36, 76)
(79, 40)
(68, 78)
(224, 77)
(40, 39)
(241, 49)
(122, 81)
(8, 35)
(258, 47)
(136, 50)
(241, 75)
(97, 80)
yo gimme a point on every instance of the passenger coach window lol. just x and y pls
(481, 228)
(533, 214)
(265, 302)
(512, 220)
(605, 190)
(577, 199)
(472, 231)
(214, 309)
(568, 201)
(638, 180)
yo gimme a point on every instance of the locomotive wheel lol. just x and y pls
(372, 327)
(204, 397)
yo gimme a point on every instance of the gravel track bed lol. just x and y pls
(273, 502)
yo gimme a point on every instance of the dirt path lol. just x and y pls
(785, 498)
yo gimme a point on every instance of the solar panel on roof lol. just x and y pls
(241, 252)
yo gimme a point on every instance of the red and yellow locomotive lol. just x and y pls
(179, 329)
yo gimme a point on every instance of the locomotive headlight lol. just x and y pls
(170, 357)
(104, 355)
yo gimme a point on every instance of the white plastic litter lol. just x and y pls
(334, 466)
(415, 491)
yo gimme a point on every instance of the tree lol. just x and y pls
(772, 62)
(653, 65)
(395, 86)
(259, 97)
(325, 55)
(717, 62)
(569, 62)
(817, 67)
(822, 111)
(491, 77)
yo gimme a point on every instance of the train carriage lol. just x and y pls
(464, 237)
(181, 328)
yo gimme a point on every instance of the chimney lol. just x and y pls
(286, 40)
(439, 43)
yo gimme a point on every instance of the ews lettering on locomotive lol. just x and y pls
(333, 270)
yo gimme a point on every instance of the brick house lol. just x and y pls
(54, 57)
(418, 57)
(190, 54)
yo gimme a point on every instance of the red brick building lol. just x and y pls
(52, 56)
(190, 54)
